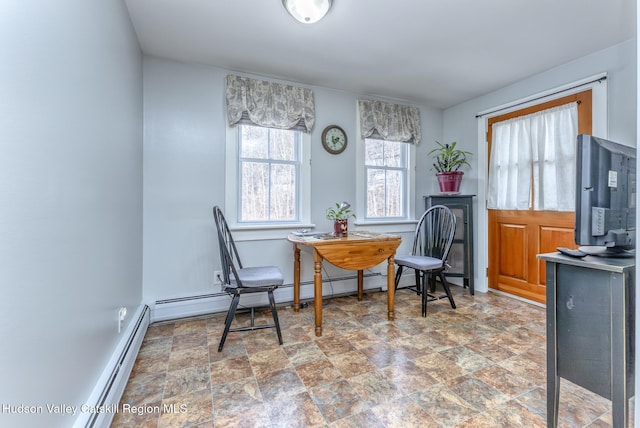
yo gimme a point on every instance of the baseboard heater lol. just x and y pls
(108, 392)
(201, 304)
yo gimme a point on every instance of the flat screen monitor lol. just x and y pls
(605, 197)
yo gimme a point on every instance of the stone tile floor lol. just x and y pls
(481, 365)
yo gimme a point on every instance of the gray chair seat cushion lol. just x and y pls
(419, 262)
(262, 276)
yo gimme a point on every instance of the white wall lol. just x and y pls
(460, 123)
(184, 177)
(70, 198)
(184, 174)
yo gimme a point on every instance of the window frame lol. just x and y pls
(270, 162)
(404, 170)
(385, 225)
(247, 231)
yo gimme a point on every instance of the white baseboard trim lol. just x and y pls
(189, 306)
(512, 296)
(196, 305)
(102, 404)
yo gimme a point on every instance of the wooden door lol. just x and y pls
(516, 237)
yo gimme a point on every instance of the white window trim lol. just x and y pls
(253, 232)
(392, 225)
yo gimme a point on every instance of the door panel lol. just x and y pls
(552, 237)
(512, 251)
(522, 236)
(517, 237)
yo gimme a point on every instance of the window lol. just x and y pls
(268, 164)
(267, 181)
(386, 163)
(386, 179)
(532, 159)
(269, 174)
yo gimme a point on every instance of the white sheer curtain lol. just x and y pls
(510, 166)
(554, 167)
(534, 156)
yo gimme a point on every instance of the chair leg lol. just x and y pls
(227, 323)
(229, 317)
(447, 290)
(418, 282)
(425, 296)
(398, 275)
(274, 312)
(432, 282)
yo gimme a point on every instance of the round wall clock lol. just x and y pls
(334, 139)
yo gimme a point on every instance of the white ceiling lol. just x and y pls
(431, 52)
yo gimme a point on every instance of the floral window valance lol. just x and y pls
(269, 104)
(387, 121)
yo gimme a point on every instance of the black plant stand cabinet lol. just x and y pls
(461, 255)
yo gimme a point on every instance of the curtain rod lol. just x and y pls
(599, 80)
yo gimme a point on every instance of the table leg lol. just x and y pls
(619, 398)
(360, 284)
(391, 289)
(317, 291)
(296, 278)
(553, 397)
(553, 380)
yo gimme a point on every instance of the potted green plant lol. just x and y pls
(340, 215)
(448, 161)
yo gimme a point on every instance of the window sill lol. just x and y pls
(266, 232)
(392, 226)
(260, 232)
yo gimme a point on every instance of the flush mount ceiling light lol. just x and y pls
(307, 11)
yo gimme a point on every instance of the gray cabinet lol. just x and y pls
(591, 329)
(461, 255)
